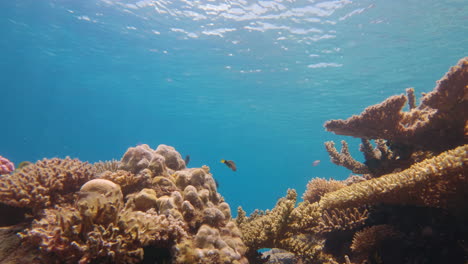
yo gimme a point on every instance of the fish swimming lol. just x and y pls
(316, 163)
(187, 160)
(230, 164)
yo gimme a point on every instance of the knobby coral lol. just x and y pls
(151, 209)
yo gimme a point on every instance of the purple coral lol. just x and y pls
(6, 166)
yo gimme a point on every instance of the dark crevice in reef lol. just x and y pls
(12, 215)
(154, 255)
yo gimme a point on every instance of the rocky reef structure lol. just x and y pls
(408, 207)
(146, 208)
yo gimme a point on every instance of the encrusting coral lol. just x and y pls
(151, 209)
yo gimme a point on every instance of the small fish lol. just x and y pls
(230, 164)
(316, 163)
(187, 160)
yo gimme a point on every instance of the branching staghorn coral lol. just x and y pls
(268, 230)
(286, 227)
(437, 124)
(422, 164)
(443, 177)
(341, 219)
(343, 158)
(380, 159)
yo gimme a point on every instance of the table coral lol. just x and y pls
(438, 123)
(412, 197)
(443, 176)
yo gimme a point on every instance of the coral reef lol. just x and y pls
(435, 182)
(44, 184)
(317, 187)
(150, 209)
(110, 165)
(6, 166)
(436, 124)
(409, 206)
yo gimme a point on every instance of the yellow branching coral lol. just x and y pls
(286, 227)
(267, 231)
(341, 219)
(308, 249)
(416, 185)
(305, 217)
(45, 183)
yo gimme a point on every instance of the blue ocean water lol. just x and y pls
(250, 81)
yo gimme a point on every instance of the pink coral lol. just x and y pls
(6, 166)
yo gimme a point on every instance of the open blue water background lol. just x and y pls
(251, 81)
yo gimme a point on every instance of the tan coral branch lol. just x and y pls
(341, 219)
(441, 112)
(411, 186)
(343, 158)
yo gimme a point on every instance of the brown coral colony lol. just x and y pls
(151, 206)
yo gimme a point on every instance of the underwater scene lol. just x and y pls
(234, 131)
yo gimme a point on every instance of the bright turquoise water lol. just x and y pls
(251, 81)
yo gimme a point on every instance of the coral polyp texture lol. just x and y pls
(150, 209)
